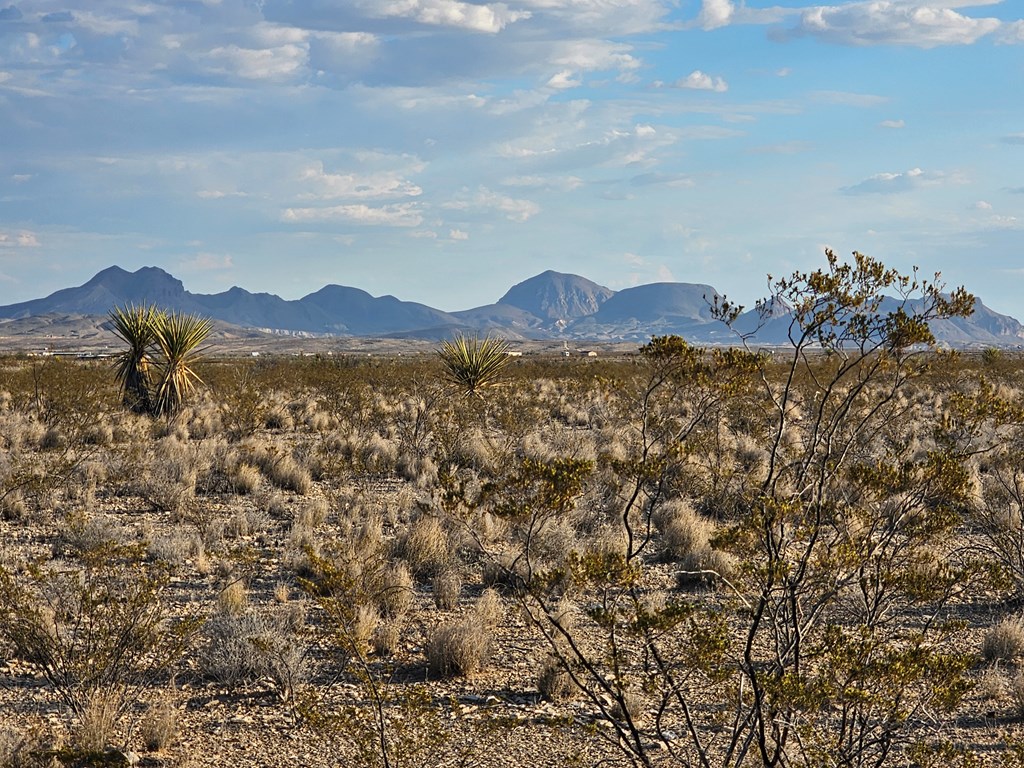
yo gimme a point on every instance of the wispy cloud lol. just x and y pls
(22, 239)
(896, 124)
(1014, 138)
(207, 262)
(397, 215)
(904, 181)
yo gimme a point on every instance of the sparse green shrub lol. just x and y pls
(98, 627)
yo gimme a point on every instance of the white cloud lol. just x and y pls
(259, 64)
(457, 234)
(490, 18)
(396, 215)
(23, 239)
(564, 80)
(594, 55)
(892, 124)
(889, 22)
(982, 205)
(1011, 33)
(715, 13)
(218, 194)
(701, 81)
(355, 185)
(514, 209)
(904, 181)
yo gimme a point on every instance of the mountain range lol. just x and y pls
(551, 305)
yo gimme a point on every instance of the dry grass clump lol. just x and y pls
(159, 727)
(554, 683)
(447, 587)
(1004, 640)
(396, 592)
(281, 468)
(459, 649)
(245, 479)
(1016, 691)
(233, 600)
(425, 546)
(95, 728)
(248, 646)
(168, 478)
(684, 531)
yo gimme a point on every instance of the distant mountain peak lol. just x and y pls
(557, 296)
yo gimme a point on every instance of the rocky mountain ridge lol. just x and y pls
(551, 305)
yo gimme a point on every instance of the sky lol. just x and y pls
(443, 150)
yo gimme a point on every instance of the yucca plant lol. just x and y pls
(136, 327)
(473, 363)
(178, 338)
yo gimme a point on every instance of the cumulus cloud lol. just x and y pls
(904, 181)
(715, 13)
(457, 234)
(700, 81)
(1012, 33)
(396, 215)
(890, 22)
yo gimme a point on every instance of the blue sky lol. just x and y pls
(443, 150)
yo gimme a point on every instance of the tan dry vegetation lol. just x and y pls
(345, 559)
